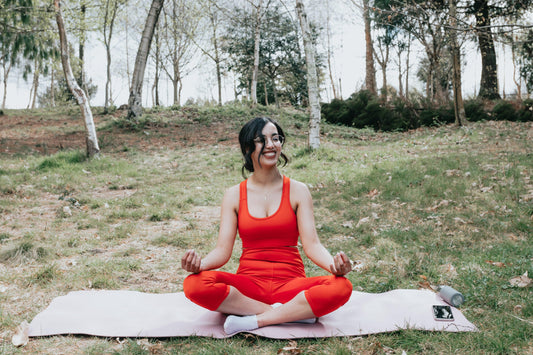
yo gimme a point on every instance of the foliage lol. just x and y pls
(281, 63)
(526, 111)
(475, 110)
(526, 59)
(362, 109)
(62, 94)
(504, 111)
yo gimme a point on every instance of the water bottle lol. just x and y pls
(450, 295)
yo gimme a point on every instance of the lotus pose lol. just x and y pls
(269, 211)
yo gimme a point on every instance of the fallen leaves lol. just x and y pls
(521, 281)
(495, 263)
(292, 348)
(373, 194)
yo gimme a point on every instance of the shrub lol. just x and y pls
(437, 116)
(475, 111)
(525, 114)
(504, 111)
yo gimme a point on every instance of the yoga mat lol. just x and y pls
(137, 314)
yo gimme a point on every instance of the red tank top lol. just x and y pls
(277, 230)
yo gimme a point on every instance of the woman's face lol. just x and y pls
(272, 143)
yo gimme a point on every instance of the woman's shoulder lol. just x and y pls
(231, 197)
(233, 190)
(298, 188)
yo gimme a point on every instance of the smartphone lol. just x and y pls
(442, 312)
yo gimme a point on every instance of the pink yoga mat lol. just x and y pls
(137, 314)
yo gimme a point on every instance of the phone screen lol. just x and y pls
(442, 312)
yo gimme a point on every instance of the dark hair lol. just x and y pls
(250, 131)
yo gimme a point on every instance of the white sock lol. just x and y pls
(305, 321)
(235, 324)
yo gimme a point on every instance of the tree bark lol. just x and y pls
(459, 108)
(6, 64)
(488, 87)
(257, 39)
(330, 69)
(81, 48)
(312, 78)
(135, 100)
(370, 77)
(91, 139)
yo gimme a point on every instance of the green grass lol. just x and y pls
(442, 203)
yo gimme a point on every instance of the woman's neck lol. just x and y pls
(266, 177)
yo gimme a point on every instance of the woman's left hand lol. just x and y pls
(341, 264)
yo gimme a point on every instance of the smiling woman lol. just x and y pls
(270, 212)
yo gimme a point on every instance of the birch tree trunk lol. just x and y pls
(6, 64)
(257, 39)
(91, 140)
(312, 78)
(135, 100)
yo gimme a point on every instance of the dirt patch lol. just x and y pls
(26, 134)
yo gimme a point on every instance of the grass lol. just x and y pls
(447, 205)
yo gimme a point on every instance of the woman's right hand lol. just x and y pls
(191, 261)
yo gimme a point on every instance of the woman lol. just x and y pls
(269, 211)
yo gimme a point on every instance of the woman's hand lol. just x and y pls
(341, 264)
(191, 261)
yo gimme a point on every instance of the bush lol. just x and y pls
(525, 114)
(364, 110)
(437, 116)
(504, 111)
(475, 111)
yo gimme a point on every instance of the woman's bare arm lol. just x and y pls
(193, 262)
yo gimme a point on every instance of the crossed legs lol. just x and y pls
(303, 298)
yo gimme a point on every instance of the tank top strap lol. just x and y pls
(286, 194)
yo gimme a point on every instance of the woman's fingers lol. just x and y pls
(190, 261)
(341, 265)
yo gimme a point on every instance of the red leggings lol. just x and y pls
(279, 279)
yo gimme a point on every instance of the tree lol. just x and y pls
(91, 140)
(178, 33)
(281, 64)
(459, 109)
(110, 10)
(135, 100)
(24, 41)
(525, 53)
(370, 72)
(488, 87)
(312, 78)
(257, 39)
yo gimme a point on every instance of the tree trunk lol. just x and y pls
(135, 100)
(36, 75)
(81, 48)
(257, 39)
(157, 60)
(488, 87)
(330, 69)
(7, 68)
(312, 78)
(370, 77)
(407, 67)
(460, 116)
(109, 20)
(77, 92)
(516, 82)
(52, 86)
